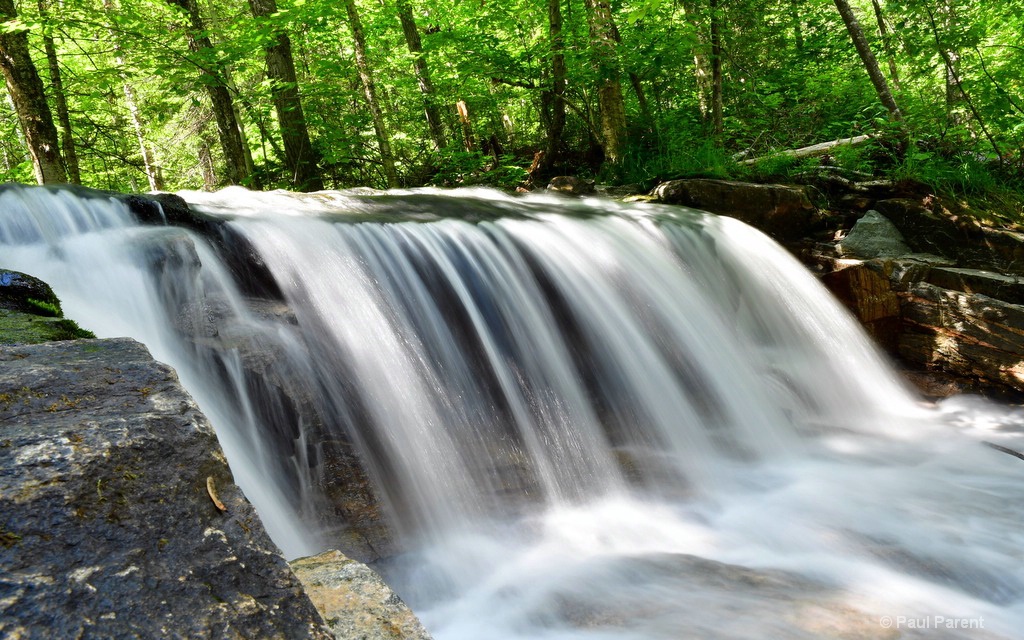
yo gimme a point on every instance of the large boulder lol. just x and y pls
(355, 601)
(782, 211)
(120, 518)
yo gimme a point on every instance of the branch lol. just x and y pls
(988, 75)
(514, 83)
(1006, 450)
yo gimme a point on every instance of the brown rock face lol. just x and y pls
(937, 318)
(969, 334)
(870, 296)
(784, 212)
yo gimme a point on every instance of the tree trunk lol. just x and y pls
(952, 75)
(609, 92)
(370, 90)
(467, 125)
(250, 165)
(701, 70)
(28, 95)
(67, 140)
(419, 63)
(868, 58)
(717, 101)
(553, 99)
(223, 111)
(153, 174)
(206, 164)
(634, 81)
(300, 156)
(883, 31)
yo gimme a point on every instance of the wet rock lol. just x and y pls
(1005, 287)
(967, 334)
(571, 186)
(120, 518)
(962, 329)
(869, 294)
(782, 211)
(354, 600)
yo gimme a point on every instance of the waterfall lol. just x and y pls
(556, 419)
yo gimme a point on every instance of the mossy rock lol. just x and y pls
(22, 292)
(30, 312)
(17, 327)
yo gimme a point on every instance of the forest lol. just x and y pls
(311, 94)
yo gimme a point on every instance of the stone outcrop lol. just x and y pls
(30, 313)
(120, 518)
(928, 228)
(355, 601)
(963, 325)
(782, 211)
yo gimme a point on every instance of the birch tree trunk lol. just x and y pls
(883, 31)
(419, 63)
(609, 92)
(701, 65)
(370, 90)
(28, 95)
(300, 156)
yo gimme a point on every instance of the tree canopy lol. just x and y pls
(304, 94)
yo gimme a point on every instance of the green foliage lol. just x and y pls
(790, 78)
(960, 174)
(458, 168)
(44, 308)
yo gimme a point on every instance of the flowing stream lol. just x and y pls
(572, 420)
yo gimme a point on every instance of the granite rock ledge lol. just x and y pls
(119, 517)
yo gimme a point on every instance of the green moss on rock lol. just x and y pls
(30, 312)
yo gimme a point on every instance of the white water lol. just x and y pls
(584, 421)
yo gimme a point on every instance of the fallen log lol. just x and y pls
(819, 149)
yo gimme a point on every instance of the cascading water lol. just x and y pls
(579, 420)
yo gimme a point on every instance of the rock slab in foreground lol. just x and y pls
(107, 528)
(355, 601)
